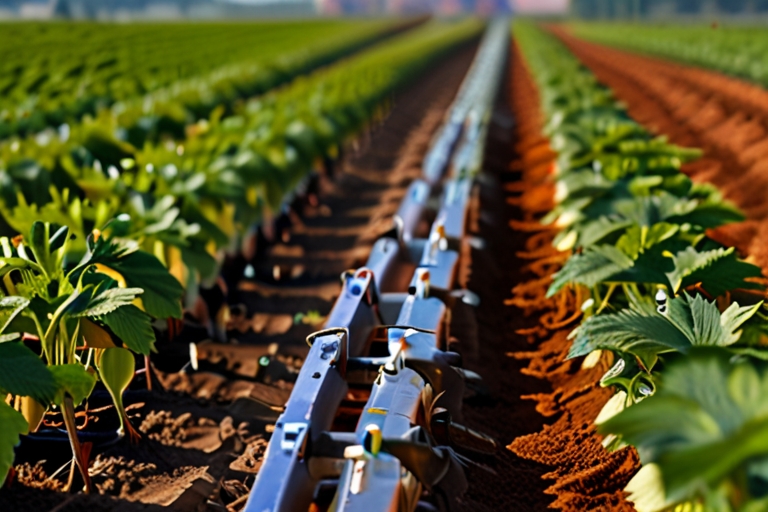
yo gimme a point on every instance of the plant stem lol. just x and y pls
(68, 411)
(147, 372)
(604, 303)
(88, 359)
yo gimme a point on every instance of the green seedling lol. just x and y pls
(74, 309)
(116, 367)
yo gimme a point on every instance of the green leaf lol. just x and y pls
(645, 333)
(718, 271)
(642, 334)
(639, 238)
(662, 423)
(733, 318)
(109, 300)
(73, 380)
(193, 214)
(709, 214)
(593, 232)
(12, 425)
(707, 422)
(198, 258)
(10, 307)
(685, 470)
(133, 327)
(593, 266)
(38, 242)
(23, 373)
(710, 327)
(162, 292)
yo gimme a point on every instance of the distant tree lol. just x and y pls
(62, 10)
(731, 6)
(689, 6)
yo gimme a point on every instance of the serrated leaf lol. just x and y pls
(23, 373)
(637, 239)
(593, 266)
(133, 327)
(638, 333)
(733, 318)
(74, 380)
(706, 322)
(718, 271)
(109, 300)
(162, 292)
(137, 269)
(12, 425)
(10, 307)
(645, 333)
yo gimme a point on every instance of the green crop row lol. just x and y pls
(739, 51)
(111, 232)
(681, 316)
(199, 195)
(159, 75)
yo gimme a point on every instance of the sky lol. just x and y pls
(540, 5)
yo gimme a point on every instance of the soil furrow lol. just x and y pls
(581, 475)
(487, 333)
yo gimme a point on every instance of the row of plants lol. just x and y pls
(734, 50)
(55, 73)
(115, 236)
(680, 317)
(189, 202)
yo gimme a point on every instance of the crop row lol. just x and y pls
(158, 74)
(111, 233)
(737, 50)
(680, 317)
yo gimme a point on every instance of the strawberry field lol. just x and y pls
(409, 264)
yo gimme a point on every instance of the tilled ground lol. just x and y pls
(726, 117)
(204, 434)
(487, 334)
(582, 475)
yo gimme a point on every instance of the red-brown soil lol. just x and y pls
(582, 474)
(507, 481)
(724, 116)
(204, 433)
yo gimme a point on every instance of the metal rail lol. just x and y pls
(393, 344)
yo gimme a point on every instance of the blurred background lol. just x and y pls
(177, 9)
(126, 10)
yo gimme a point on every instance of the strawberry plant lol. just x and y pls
(701, 436)
(77, 312)
(660, 292)
(48, 81)
(188, 203)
